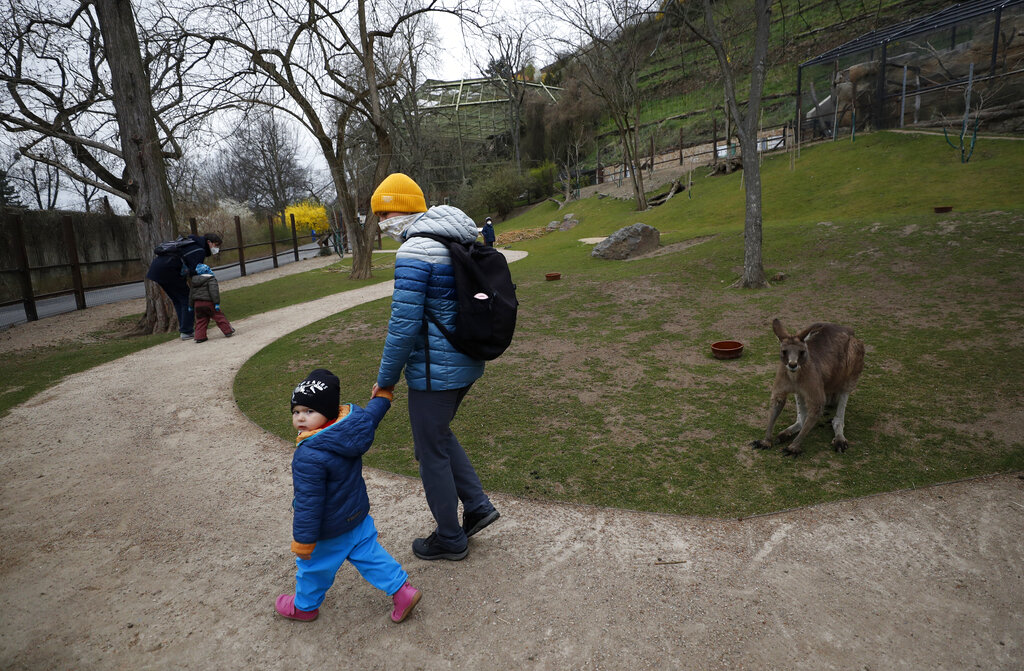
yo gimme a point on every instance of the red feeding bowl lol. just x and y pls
(943, 208)
(727, 349)
(553, 276)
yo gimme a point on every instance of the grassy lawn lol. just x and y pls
(36, 369)
(609, 394)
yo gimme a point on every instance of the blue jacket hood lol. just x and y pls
(451, 222)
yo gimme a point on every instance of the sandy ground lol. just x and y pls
(146, 523)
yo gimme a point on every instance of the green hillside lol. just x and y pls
(680, 83)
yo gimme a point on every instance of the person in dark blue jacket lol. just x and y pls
(488, 232)
(331, 520)
(438, 375)
(171, 272)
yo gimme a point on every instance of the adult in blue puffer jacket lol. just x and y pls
(438, 375)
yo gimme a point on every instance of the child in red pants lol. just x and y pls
(204, 298)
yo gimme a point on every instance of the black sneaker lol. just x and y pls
(229, 334)
(430, 548)
(474, 522)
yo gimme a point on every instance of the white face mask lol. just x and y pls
(215, 250)
(394, 227)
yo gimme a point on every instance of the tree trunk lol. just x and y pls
(150, 197)
(368, 233)
(753, 270)
(636, 178)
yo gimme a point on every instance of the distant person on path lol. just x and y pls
(331, 521)
(171, 271)
(204, 301)
(488, 232)
(438, 375)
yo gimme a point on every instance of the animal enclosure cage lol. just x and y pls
(963, 63)
(471, 113)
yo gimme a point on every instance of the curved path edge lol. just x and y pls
(145, 524)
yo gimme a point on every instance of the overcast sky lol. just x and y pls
(456, 58)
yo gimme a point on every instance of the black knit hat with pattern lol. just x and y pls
(320, 391)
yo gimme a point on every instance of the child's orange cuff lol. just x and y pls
(384, 393)
(303, 550)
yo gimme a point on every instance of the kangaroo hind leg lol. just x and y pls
(839, 443)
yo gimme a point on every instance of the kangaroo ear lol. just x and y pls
(780, 330)
(810, 332)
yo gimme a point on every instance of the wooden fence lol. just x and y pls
(74, 266)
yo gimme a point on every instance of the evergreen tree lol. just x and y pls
(8, 194)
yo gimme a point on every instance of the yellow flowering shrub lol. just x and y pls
(308, 215)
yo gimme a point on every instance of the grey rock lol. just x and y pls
(628, 242)
(568, 224)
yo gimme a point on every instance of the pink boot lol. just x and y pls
(285, 606)
(405, 599)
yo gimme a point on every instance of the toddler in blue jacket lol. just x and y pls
(331, 508)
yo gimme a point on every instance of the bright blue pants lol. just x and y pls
(314, 576)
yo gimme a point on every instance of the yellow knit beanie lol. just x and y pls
(398, 193)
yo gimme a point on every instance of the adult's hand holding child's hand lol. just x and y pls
(386, 392)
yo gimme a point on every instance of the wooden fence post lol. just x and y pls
(295, 238)
(241, 245)
(76, 268)
(680, 146)
(24, 276)
(273, 242)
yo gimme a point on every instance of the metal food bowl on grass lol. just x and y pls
(727, 349)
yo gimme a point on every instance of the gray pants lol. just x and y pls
(447, 475)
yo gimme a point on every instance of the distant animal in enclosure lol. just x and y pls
(820, 367)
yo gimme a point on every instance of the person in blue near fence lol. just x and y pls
(331, 521)
(438, 375)
(488, 232)
(172, 270)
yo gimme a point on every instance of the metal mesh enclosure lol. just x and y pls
(926, 72)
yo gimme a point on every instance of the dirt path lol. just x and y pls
(145, 525)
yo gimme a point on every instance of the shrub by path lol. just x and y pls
(145, 524)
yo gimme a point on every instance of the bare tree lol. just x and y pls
(608, 47)
(509, 51)
(78, 72)
(415, 41)
(706, 26)
(261, 164)
(321, 64)
(569, 127)
(40, 181)
(141, 149)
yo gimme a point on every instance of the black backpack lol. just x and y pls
(486, 297)
(173, 247)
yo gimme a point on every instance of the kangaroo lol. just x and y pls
(820, 366)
